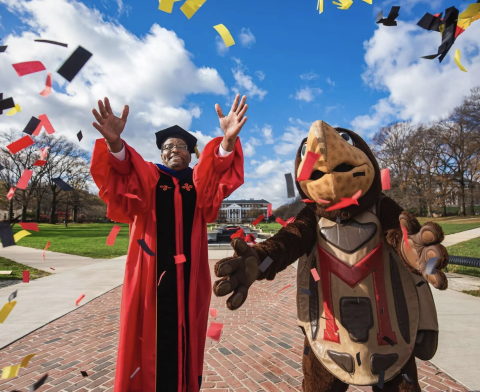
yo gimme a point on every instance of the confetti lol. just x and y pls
(160, 279)
(15, 110)
(315, 274)
(113, 235)
(239, 233)
(145, 247)
(3, 48)
(20, 144)
(6, 103)
(52, 268)
(179, 259)
(32, 125)
(135, 372)
(281, 221)
(40, 163)
(421, 283)
(269, 210)
(48, 86)
(265, 264)
(405, 237)
(214, 331)
(290, 220)
(390, 19)
(258, 220)
(11, 192)
(290, 188)
(286, 287)
(190, 7)
(72, 66)
(344, 4)
(44, 122)
(166, 5)
(79, 136)
(213, 312)
(62, 184)
(39, 383)
(457, 61)
(308, 201)
(306, 351)
(6, 234)
(21, 234)
(12, 296)
(47, 41)
(323, 201)
(305, 291)
(28, 67)
(225, 34)
(26, 360)
(346, 201)
(29, 226)
(320, 6)
(358, 359)
(130, 196)
(381, 379)
(385, 175)
(46, 247)
(43, 153)
(24, 179)
(7, 308)
(83, 373)
(10, 372)
(431, 264)
(79, 299)
(26, 276)
(389, 341)
(308, 164)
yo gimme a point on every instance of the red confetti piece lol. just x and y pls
(79, 299)
(26, 276)
(44, 122)
(233, 228)
(286, 287)
(161, 276)
(179, 259)
(29, 226)
(132, 196)
(213, 312)
(323, 201)
(39, 162)
(28, 67)
(308, 201)
(48, 86)
(20, 144)
(43, 153)
(258, 220)
(250, 238)
(11, 192)
(290, 220)
(281, 221)
(385, 175)
(239, 233)
(269, 210)
(405, 237)
(214, 331)
(46, 247)
(315, 274)
(307, 167)
(113, 235)
(24, 179)
(346, 201)
(52, 268)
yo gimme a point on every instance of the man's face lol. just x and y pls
(175, 154)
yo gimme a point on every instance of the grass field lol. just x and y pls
(452, 225)
(17, 270)
(87, 240)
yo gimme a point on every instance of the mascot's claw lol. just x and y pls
(424, 244)
(238, 273)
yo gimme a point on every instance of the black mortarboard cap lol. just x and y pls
(62, 184)
(176, 132)
(6, 234)
(72, 66)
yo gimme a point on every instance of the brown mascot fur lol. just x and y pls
(344, 239)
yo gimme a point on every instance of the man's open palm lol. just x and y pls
(109, 125)
(234, 121)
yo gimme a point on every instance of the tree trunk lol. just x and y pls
(24, 213)
(461, 198)
(429, 209)
(10, 211)
(472, 205)
(53, 210)
(75, 213)
(37, 214)
(444, 208)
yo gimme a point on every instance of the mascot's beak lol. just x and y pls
(319, 130)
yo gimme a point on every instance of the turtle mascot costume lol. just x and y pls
(371, 312)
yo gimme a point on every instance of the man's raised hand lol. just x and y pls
(232, 123)
(109, 125)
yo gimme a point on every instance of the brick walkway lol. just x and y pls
(251, 356)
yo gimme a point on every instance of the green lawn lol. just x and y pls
(469, 248)
(452, 225)
(267, 227)
(17, 270)
(475, 293)
(87, 240)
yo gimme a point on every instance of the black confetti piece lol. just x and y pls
(39, 383)
(62, 184)
(306, 351)
(305, 291)
(381, 379)
(2, 167)
(31, 126)
(6, 234)
(74, 63)
(290, 188)
(389, 341)
(84, 373)
(407, 379)
(265, 264)
(431, 264)
(47, 41)
(145, 247)
(3, 48)
(420, 284)
(79, 136)
(358, 359)
(6, 103)
(12, 296)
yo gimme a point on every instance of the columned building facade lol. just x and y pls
(240, 211)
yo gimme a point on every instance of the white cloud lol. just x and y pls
(330, 82)
(247, 39)
(153, 74)
(307, 94)
(260, 75)
(309, 76)
(254, 141)
(294, 134)
(417, 89)
(248, 150)
(218, 132)
(244, 82)
(267, 133)
(328, 109)
(222, 49)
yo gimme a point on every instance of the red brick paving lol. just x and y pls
(260, 348)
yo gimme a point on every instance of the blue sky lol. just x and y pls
(295, 65)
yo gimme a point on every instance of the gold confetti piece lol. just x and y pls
(320, 6)
(368, 1)
(14, 110)
(166, 5)
(191, 6)
(470, 15)
(225, 34)
(23, 233)
(344, 4)
(457, 61)
(10, 371)
(7, 308)
(26, 360)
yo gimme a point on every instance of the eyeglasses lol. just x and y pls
(170, 147)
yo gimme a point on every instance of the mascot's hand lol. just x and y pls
(238, 272)
(424, 243)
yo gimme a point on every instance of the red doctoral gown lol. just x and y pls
(214, 178)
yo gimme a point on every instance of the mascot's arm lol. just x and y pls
(288, 244)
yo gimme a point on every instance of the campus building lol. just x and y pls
(242, 211)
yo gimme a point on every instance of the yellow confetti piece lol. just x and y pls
(14, 110)
(470, 15)
(225, 34)
(344, 4)
(23, 233)
(166, 5)
(191, 6)
(26, 360)
(368, 1)
(7, 308)
(320, 6)
(457, 61)
(10, 371)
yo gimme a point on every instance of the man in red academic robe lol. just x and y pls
(167, 287)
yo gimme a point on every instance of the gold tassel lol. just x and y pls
(197, 153)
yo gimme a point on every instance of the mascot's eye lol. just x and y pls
(347, 137)
(304, 150)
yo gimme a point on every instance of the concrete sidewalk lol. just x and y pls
(453, 239)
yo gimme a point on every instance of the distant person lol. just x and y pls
(163, 323)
